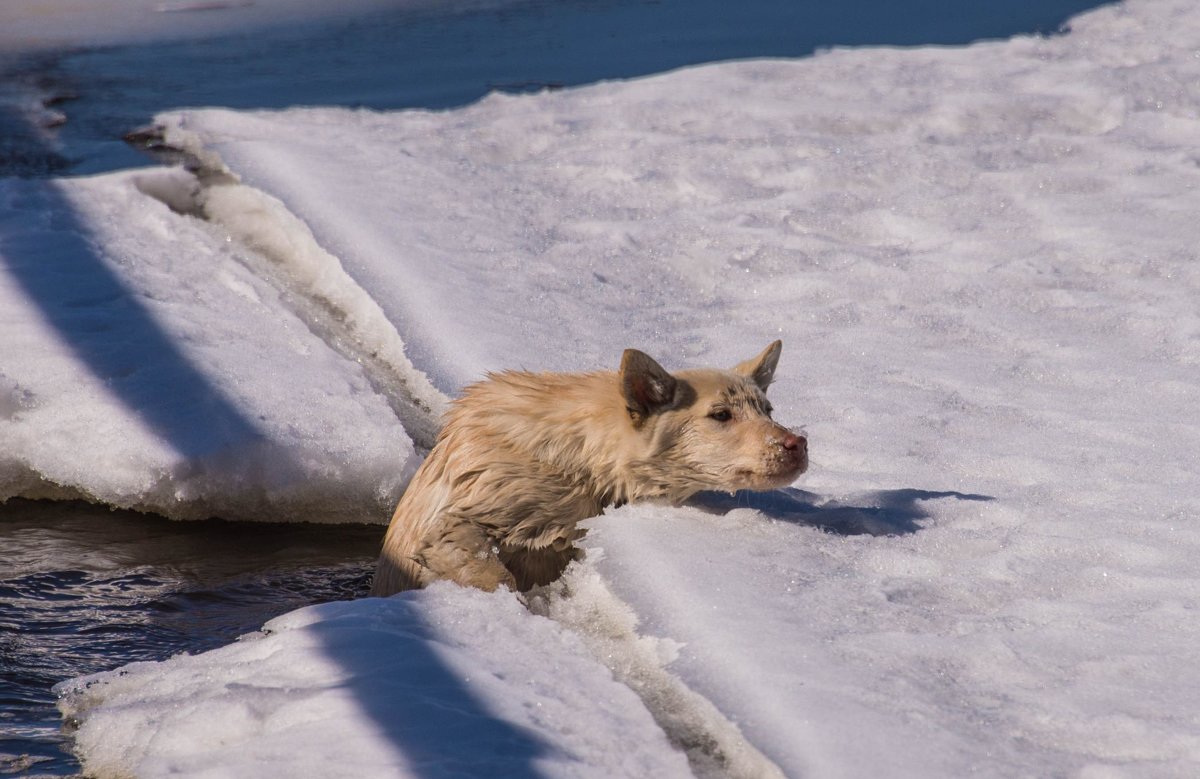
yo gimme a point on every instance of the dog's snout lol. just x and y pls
(793, 442)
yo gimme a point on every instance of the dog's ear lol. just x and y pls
(646, 386)
(761, 368)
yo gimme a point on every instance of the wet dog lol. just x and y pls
(524, 457)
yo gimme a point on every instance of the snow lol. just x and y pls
(147, 366)
(440, 683)
(982, 262)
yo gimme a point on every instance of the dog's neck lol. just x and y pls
(577, 424)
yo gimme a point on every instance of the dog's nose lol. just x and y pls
(794, 443)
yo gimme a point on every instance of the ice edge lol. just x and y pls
(282, 250)
(714, 745)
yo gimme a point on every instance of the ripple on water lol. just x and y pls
(85, 589)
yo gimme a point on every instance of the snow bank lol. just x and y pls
(443, 682)
(146, 366)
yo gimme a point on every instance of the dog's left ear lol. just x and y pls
(761, 368)
(646, 386)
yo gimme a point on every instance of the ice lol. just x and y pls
(146, 366)
(982, 263)
(443, 682)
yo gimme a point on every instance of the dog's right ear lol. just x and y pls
(761, 369)
(647, 387)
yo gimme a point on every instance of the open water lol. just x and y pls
(85, 589)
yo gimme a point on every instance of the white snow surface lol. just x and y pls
(147, 366)
(450, 683)
(983, 264)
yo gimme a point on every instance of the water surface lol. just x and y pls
(85, 589)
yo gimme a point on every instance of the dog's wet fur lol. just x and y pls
(524, 457)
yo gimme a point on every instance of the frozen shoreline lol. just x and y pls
(145, 336)
(393, 54)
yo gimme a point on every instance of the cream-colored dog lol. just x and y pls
(524, 457)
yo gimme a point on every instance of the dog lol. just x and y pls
(524, 457)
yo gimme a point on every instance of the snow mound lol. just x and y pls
(443, 682)
(147, 367)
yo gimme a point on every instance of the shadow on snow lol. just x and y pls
(425, 708)
(883, 513)
(107, 325)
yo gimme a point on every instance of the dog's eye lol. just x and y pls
(721, 415)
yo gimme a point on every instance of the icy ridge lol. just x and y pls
(146, 367)
(336, 308)
(715, 747)
(443, 681)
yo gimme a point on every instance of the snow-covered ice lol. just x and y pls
(982, 262)
(446, 683)
(147, 366)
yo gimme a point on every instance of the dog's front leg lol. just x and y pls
(536, 567)
(465, 553)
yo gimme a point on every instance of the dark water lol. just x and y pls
(84, 589)
(438, 58)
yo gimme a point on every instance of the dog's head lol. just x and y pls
(710, 429)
